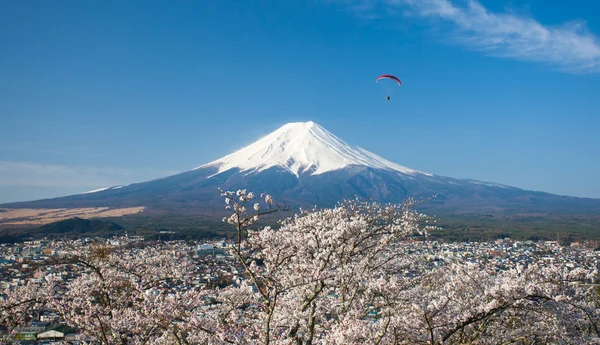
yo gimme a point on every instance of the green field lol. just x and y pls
(566, 228)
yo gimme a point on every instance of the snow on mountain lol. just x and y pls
(102, 189)
(96, 190)
(303, 147)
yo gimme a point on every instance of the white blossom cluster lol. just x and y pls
(237, 202)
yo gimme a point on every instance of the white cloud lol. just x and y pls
(32, 175)
(570, 47)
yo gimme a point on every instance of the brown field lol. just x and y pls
(40, 216)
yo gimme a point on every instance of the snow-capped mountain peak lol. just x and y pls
(323, 164)
(303, 147)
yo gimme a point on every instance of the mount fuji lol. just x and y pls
(303, 164)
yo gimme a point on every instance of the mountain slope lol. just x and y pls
(305, 165)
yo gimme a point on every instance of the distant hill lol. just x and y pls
(77, 225)
(69, 228)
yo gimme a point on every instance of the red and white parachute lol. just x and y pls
(388, 76)
(389, 83)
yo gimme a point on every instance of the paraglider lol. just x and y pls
(389, 86)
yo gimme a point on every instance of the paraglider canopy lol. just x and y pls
(389, 85)
(388, 76)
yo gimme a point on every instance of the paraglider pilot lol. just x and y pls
(388, 76)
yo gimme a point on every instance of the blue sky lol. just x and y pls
(102, 93)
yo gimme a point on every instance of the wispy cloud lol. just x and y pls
(570, 47)
(32, 175)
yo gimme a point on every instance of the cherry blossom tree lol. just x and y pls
(318, 270)
(130, 297)
(474, 304)
(19, 304)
